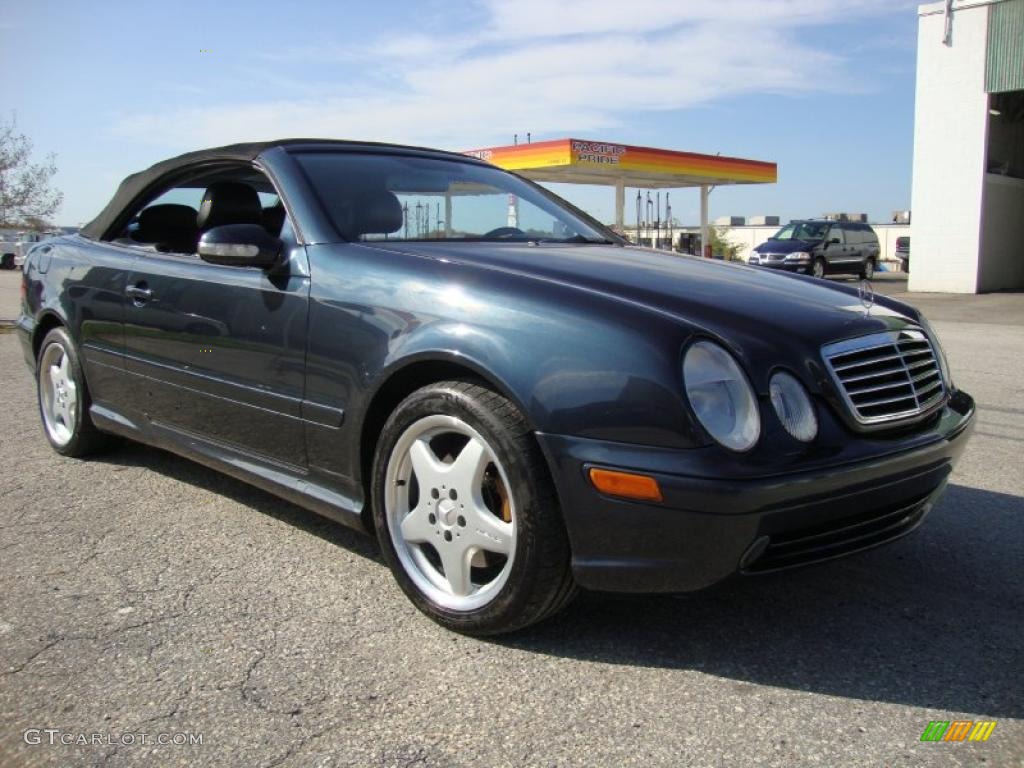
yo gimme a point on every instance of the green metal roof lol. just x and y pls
(1004, 66)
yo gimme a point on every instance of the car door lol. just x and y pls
(836, 246)
(855, 243)
(217, 353)
(94, 275)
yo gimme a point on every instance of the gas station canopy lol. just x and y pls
(584, 161)
(577, 161)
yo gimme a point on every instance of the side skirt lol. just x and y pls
(288, 483)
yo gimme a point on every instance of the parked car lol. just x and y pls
(820, 248)
(903, 253)
(15, 247)
(515, 409)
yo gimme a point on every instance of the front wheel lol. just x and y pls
(7, 262)
(867, 270)
(818, 268)
(466, 513)
(64, 398)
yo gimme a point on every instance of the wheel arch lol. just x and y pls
(401, 380)
(45, 323)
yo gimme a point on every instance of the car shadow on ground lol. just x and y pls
(199, 476)
(932, 621)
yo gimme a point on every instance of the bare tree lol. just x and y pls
(26, 197)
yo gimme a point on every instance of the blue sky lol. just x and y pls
(825, 88)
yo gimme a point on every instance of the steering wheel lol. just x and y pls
(504, 232)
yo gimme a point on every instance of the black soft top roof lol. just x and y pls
(137, 183)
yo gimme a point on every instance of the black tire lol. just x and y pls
(867, 269)
(539, 582)
(85, 439)
(819, 268)
(8, 261)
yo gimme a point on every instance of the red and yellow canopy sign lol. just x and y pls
(597, 162)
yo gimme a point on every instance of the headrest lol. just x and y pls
(229, 202)
(273, 218)
(170, 227)
(374, 212)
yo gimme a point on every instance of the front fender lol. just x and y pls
(575, 365)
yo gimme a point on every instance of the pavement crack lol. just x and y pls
(34, 656)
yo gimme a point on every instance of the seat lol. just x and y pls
(229, 202)
(168, 227)
(273, 218)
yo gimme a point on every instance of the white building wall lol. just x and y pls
(950, 130)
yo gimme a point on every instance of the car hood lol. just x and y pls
(744, 305)
(786, 246)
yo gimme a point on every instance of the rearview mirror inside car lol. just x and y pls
(240, 245)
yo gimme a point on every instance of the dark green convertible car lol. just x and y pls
(512, 398)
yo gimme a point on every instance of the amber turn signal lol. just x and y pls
(625, 484)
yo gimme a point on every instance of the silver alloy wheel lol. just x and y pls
(869, 269)
(818, 269)
(456, 549)
(58, 394)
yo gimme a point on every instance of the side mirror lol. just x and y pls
(240, 245)
(834, 241)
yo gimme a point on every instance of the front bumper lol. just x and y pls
(786, 266)
(708, 528)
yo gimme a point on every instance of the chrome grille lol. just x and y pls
(886, 377)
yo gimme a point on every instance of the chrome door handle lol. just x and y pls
(139, 293)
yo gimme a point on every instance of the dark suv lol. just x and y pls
(819, 248)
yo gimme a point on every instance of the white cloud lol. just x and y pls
(533, 18)
(576, 67)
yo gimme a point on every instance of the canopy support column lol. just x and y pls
(620, 207)
(705, 240)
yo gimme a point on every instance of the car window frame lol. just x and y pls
(175, 178)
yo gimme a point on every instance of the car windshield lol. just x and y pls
(801, 230)
(371, 197)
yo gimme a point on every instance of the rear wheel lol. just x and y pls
(818, 267)
(466, 513)
(8, 261)
(64, 398)
(867, 269)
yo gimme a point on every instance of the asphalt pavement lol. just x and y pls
(142, 595)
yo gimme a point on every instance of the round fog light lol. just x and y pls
(793, 406)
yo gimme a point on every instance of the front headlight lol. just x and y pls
(721, 396)
(798, 256)
(793, 406)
